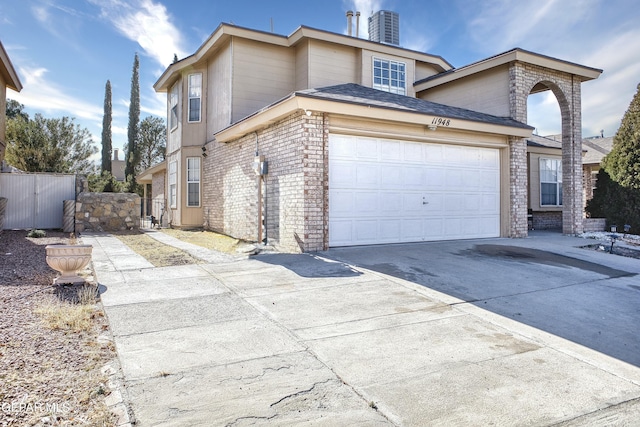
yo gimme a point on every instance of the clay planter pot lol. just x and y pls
(68, 259)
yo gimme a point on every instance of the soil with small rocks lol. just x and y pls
(47, 376)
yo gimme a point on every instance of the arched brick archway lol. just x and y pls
(524, 79)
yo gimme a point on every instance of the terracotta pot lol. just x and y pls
(68, 259)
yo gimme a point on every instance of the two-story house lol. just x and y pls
(317, 139)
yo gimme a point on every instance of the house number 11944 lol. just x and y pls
(439, 121)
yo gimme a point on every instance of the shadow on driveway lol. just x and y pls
(309, 265)
(586, 302)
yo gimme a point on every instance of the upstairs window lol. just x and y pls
(550, 182)
(173, 105)
(389, 76)
(195, 97)
(193, 181)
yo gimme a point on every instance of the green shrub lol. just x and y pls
(37, 234)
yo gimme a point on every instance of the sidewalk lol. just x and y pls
(301, 339)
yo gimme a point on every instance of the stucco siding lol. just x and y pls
(487, 92)
(262, 74)
(218, 91)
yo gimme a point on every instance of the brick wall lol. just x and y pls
(549, 220)
(294, 190)
(523, 78)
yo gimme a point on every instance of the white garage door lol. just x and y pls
(389, 191)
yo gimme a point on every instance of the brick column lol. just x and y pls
(518, 169)
(572, 190)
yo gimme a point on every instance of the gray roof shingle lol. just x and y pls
(356, 94)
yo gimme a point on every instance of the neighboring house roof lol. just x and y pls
(596, 148)
(517, 54)
(543, 141)
(146, 176)
(7, 71)
(226, 31)
(360, 101)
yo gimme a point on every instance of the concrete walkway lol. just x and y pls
(348, 337)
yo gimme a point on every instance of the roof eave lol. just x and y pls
(9, 74)
(305, 102)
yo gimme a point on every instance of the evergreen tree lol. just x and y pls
(49, 145)
(617, 195)
(106, 129)
(153, 141)
(133, 132)
(623, 162)
(15, 109)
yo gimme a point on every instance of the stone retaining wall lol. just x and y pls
(107, 212)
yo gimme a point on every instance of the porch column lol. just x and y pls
(572, 192)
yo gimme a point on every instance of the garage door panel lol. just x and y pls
(401, 191)
(367, 149)
(343, 174)
(366, 204)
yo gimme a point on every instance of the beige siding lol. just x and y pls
(424, 70)
(218, 91)
(331, 64)
(174, 212)
(487, 92)
(302, 66)
(193, 133)
(262, 74)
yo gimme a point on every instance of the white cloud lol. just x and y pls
(146, 23)
(38, 93)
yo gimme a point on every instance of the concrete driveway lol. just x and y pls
(489, 332)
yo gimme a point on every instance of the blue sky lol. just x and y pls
(65, 50)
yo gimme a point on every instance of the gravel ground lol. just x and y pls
(48, 375)
(624, 244)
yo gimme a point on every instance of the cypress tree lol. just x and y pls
(106, 129)
(133, 131)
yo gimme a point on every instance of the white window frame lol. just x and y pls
(554, 169)
(388, 75)
(173, 184)
(194, 83)
(193, 179)
(174, 113)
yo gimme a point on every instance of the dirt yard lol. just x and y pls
(50, 358)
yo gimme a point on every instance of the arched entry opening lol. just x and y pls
(547, 110)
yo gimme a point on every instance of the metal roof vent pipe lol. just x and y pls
(358, 24)
(349, 22)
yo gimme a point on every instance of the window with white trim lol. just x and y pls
(173, 105)
(389, 76)
(173, 180)
(193, 181)
(195, 97)
(550, 182)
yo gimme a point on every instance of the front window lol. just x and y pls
(173, 105)
(550, 182)
(173, 175)
(389, 76)
(195, 97)
(193, 181)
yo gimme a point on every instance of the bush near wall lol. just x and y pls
(619, 205)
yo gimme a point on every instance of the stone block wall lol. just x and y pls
(594, 224)
(107, 212)
(294, 190)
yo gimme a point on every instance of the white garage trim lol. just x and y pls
(392, 191)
